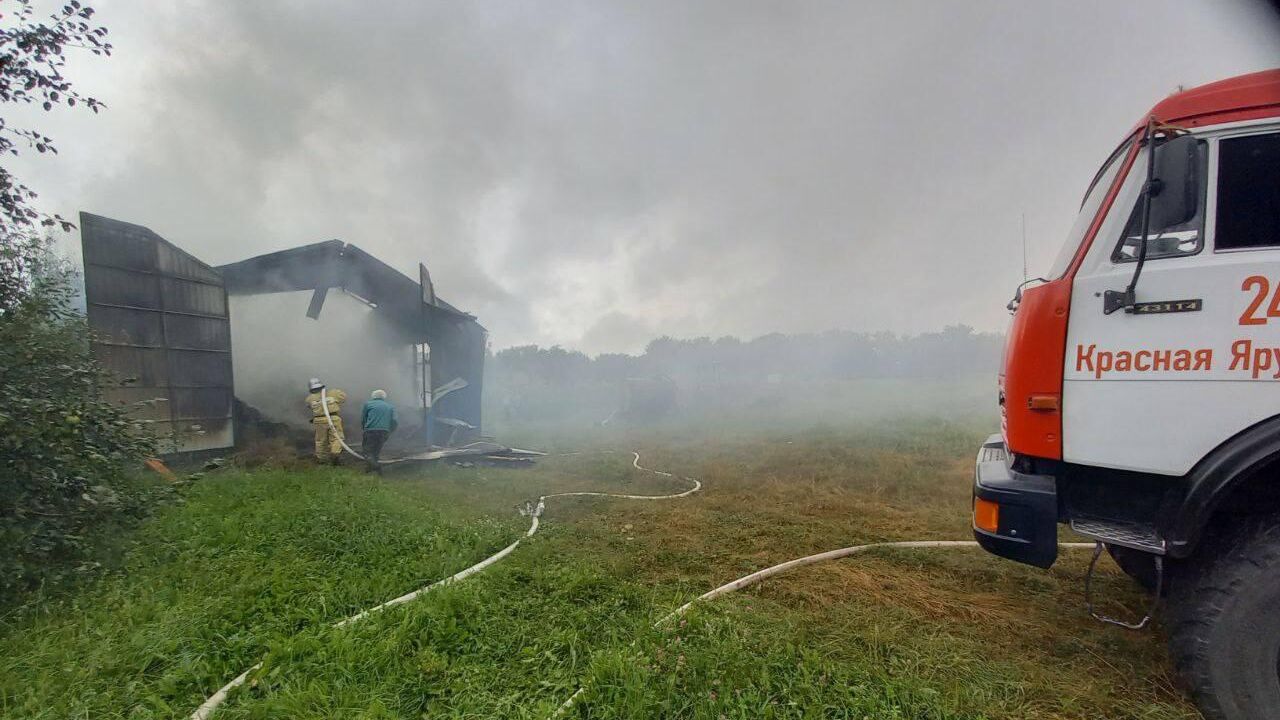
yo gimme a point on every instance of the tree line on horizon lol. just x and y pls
(955, 351)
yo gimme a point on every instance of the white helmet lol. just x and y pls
(315, 384)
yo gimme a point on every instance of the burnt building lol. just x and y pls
(189, 338)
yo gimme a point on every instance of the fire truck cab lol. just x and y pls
(1140, 389)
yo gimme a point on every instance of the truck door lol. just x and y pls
(1198, 358)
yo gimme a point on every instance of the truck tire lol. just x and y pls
(1136, 564)
(1224, 623)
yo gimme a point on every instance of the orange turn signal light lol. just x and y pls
(986, 515)
(1043, 403)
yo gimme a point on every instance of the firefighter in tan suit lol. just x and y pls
(328, 440)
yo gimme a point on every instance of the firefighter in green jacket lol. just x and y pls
(377, 421)
(328, 438)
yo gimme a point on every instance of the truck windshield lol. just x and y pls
(1088, 209)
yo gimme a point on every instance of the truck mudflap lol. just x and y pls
(1015, 515)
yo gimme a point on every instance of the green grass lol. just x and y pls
(260, 564)
(249, 561)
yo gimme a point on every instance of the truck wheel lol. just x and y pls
(1136, 564)
(1224, 623)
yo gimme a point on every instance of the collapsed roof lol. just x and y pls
(456, 339)
(334, 264)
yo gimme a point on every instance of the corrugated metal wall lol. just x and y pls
(161, 318)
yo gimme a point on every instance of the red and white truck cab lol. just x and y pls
(1140, 389)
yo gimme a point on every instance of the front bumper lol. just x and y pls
(1025, 526)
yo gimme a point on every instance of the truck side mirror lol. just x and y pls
(1172, 199)
(1175, 195)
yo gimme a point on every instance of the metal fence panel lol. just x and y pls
(162, 326)
(129, 326)
(197, 333)
(197, 368)
(116, 287)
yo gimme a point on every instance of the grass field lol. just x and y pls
(260, 562)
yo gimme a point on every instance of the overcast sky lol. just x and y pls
(595, 174)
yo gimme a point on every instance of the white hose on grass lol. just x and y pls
(534, 512)
(211, 704)
(788, 566)
(533, 528)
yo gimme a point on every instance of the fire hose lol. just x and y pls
(533, 510)
(324, 403)
(780, 568)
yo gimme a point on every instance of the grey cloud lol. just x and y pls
(619, 332)
(592, 174)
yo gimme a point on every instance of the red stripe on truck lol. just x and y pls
(1037, 348)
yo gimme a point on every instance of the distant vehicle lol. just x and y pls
(1140, 392)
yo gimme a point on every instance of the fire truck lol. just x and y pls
(1139, 392)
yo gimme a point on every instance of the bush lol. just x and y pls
(66, 454)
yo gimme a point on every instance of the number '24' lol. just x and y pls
(1262, 287)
